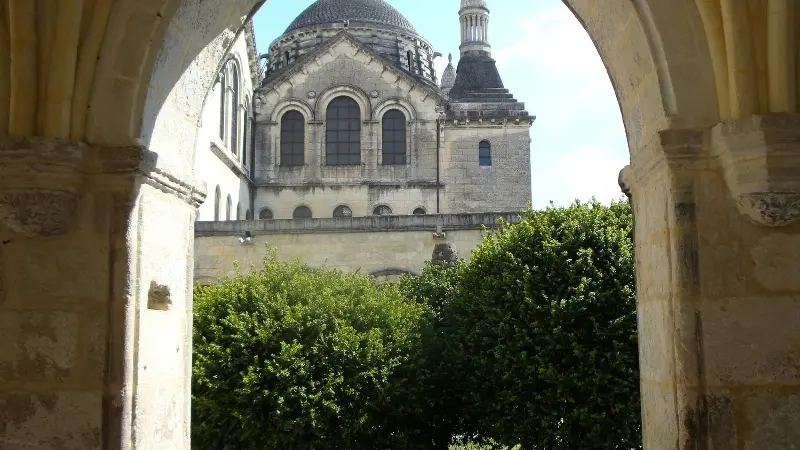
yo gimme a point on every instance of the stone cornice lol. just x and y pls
(420, 184)
(42, 180)
(431, 222)
(235, 165)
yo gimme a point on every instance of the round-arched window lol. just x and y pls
(343, 132)
(266, 214)
(382, 210)
(342, 211)
(293, 139)
(419, 212)
(485, 153)
(394, 138)
(302, 212)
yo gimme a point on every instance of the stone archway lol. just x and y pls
(97, 197)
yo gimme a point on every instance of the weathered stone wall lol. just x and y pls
(503, 186)
(382, 246)
(347, 70)
(342, 71)
(361, 199)
(95, 279)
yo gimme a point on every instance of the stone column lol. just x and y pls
(316, 149)
(96, 258)
(369, 152)
(718, 285)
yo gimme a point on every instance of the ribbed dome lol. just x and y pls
(333, 11)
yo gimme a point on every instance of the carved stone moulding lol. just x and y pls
(38, 213)
(760, 157)
(771, 208)
(40, 184)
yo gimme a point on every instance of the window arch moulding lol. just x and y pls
(266, 214)
(395, 103)
(357, 94)
(287, 105)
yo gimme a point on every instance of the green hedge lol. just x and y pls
(293, 358)
(542, 331)
(531, 344)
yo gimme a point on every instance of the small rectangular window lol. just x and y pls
(485, 154)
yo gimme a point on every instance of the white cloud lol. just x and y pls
(554, 41)
(578, 141)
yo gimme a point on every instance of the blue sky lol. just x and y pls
(548, 61)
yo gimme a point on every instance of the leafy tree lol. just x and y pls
(441, 403)
(542, 331)
(293, 358)
(434, 286)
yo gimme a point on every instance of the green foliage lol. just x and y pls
(442, 402)
(293, 358)
(465, 444)
(434, 286)
(542, 331)
(530, 345)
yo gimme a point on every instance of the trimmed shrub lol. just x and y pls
(542, 331)
(293, 358)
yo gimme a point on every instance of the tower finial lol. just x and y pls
(474, 17)
(450, 57)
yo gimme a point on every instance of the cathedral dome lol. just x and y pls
(362, 11)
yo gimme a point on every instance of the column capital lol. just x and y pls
(42, 180)
(760, 158)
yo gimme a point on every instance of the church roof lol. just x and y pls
(478, 90)
(297, 67)
(365, 11)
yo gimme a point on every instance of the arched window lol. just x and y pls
(217, 206)
(265, 214)
(246, 129)
(238, 211)
(382, 210)
(410, 57)
(293, 139)
(234, 109)
(419, 212)
(222, 103)
(343, 134)
(485, 153)
(394, 137)
(228, 208)
(286, 57)
(342, 211)
(302, 212)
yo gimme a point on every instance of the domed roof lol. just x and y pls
(335, 11)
